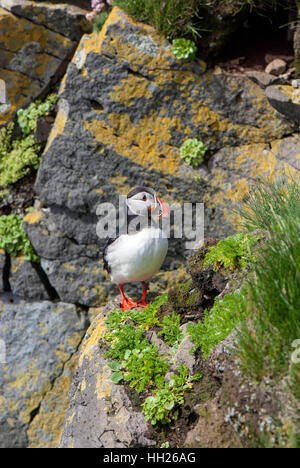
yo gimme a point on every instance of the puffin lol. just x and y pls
(138, 253)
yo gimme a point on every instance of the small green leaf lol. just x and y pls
(116, 377)
(115, 366)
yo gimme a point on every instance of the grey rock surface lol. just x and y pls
(276, 67)
(263, 79)
(183, 355)
(2, 265)
(39, 338)
(286, 100)
(25, 280)
(68, 20)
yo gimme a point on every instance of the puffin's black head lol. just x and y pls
(141, 201)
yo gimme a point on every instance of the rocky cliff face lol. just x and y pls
(126, 105)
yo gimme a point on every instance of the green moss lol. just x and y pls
(170, 329)
(100, 20)
(184, 296)
(192, 152)
(27, 118)
(217, 323)
(184, 49)
(232, 252)
(19, 156)
(13, 238)
(23, 155)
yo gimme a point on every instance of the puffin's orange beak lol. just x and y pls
(164, 209)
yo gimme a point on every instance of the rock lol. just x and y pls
(261, 78)
(126, 106)
(40, 338)
(296, 83)
(286, 100)
(100, 414)
(233, 172)
(211, 430)
(2, 267)
(25, 280)
(65, 19)
(42, 131)
(205, 279)
(276, 67)
(184, 356)
(73, 270)
(79, 281)
(45, 429)
(156, 341)
(31, 57)
(286, 58)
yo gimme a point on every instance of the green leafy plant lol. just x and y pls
(192, 152)
(100, 20)
(27, 118)
(218, 322)
(165, 445)
(18, 161)
(144, 365)
(124, 338)
(140, 363)
(147, 317)
(117, 374)
(163, 405)
(13, 238)
(170, 329)
(19, 156)
(184, 49)
(232, 252)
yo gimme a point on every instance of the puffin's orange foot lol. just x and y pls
(142, 303)
(128, 304)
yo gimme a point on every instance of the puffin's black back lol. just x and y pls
(139, 189)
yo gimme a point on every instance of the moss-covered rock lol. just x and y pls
(31, 56)
(100, 413)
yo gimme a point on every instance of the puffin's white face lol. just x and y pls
(142, 203)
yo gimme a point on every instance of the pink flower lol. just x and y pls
(99, 7)
(95, 3)
(91, 16)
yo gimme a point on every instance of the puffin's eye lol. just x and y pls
(144, 198)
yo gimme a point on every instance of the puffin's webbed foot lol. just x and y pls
(143, 301)
(126, 303)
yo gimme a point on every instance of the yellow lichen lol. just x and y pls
(33, 217)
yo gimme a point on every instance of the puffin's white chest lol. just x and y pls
(137, 257)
